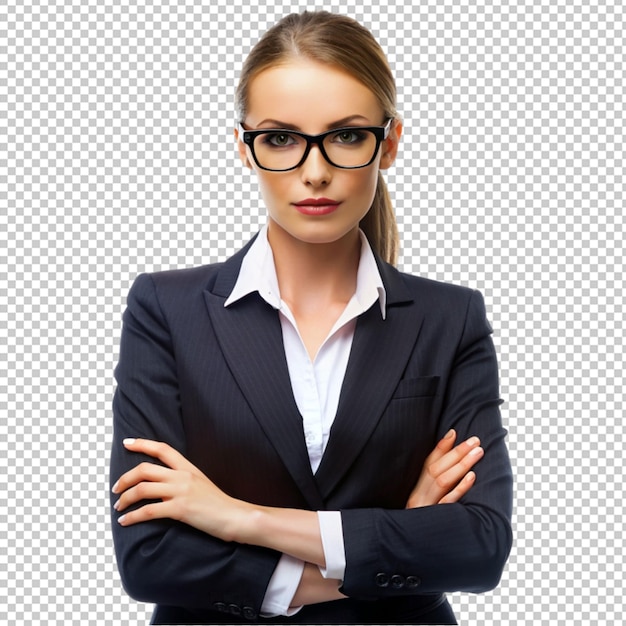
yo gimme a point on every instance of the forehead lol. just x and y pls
(310, 96)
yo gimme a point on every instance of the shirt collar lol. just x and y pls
(258, 274)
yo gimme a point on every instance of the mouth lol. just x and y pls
(316, 206)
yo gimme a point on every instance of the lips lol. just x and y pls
(317, 206)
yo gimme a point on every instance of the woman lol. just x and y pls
(275, 415)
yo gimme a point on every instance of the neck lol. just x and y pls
(319, 271)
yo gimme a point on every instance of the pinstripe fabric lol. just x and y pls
(214, 383)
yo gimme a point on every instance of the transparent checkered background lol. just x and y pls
(117, 157)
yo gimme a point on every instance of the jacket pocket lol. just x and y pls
(416, 387)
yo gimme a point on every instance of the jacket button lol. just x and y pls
(249, 612)
(413, 581)
(397, 581)
(382, 580)
(221, 607)
(234, 609)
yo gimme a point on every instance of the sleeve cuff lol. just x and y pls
(331, 530)
(282, 588)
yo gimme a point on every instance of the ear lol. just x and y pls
(243, 150)
(390, 145)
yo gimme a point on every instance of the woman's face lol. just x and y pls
(312, 98)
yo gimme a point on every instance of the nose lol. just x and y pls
(316, 170)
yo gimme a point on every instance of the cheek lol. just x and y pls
(363, 184)
(271, 189)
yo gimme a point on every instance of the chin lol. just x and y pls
(320, 234)
(314, 230)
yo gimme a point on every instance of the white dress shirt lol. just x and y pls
(316, 388)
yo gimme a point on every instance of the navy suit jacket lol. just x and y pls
(213, 383)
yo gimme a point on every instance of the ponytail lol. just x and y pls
(380, 226)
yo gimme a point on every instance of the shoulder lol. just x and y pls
(441, 302)
(423, 289)
(201, 277)
(186, 283)
(420, 285)
(177, 284)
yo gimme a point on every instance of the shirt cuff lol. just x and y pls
(331, 530)
(282, 588)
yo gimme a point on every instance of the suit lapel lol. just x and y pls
(250, 337)
(380, 352)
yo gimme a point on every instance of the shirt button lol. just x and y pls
(413, 581)
(221, 607)
(382, 580)
(234, 609)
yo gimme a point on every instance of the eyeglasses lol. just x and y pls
(281, 150)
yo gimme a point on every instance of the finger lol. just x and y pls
(454, 456)
(160, 450)
(144, 491)
(460, 490)
(444, 445)
(150, 472)
(151, 511)
(448, 479)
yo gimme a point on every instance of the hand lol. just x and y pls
(185, 493)
(445, 477)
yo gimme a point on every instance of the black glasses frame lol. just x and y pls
(380, 132)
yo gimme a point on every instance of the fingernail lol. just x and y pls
(129, 441)
(449, 433)
(473, 441)
(120, 520)
(116, 505)
(115, 486)
(476, 451)
(470, 477)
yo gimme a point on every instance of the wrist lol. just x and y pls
(313, 588)
(247, 521)
(290, 531)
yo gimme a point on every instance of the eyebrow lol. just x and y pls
(338, 124)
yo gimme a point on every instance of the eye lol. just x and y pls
(348, 137)
(279, 140)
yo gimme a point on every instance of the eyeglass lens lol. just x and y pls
(345, 148)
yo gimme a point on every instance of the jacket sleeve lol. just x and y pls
(164, 561)
(451, 547)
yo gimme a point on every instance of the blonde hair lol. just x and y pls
(342, 42)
